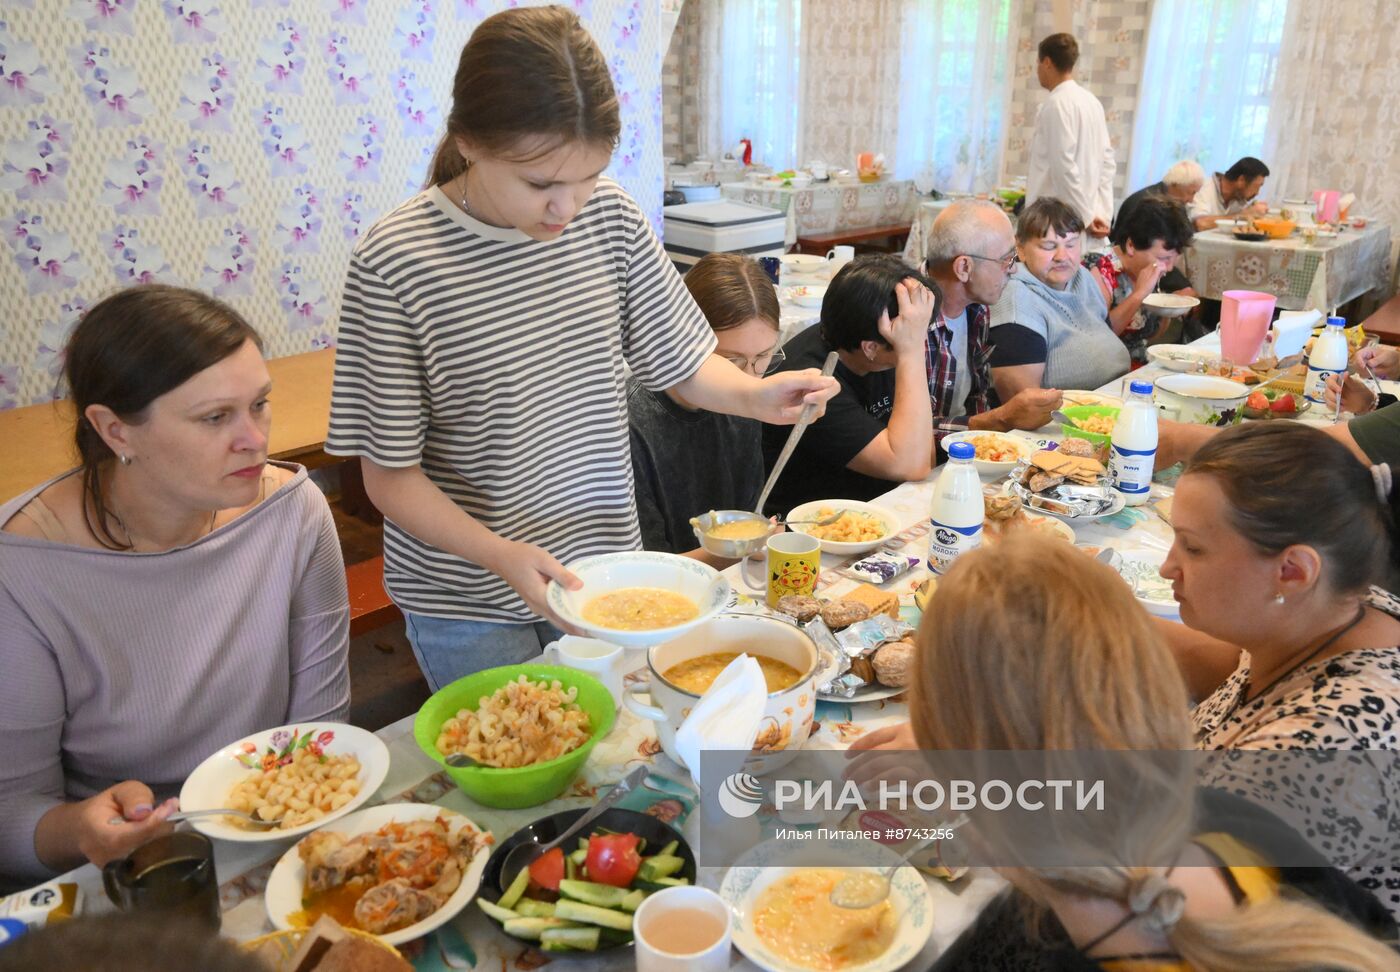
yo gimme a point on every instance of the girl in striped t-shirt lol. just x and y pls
(484, 331)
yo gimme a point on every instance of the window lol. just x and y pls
(760, 64)
(1207, 84)
(955, 77)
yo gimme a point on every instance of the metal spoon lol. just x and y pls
(824, 521)
(523, 855)
(803, 421)
(865, 890)
(221, 812)
(459, 760)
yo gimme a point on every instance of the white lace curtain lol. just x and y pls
(926, 82)
(1336, 117)
(1204, 92)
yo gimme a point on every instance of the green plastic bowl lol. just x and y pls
(1078, 412)
(522, 786)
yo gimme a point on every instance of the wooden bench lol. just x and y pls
(820, 243)
(370, 606)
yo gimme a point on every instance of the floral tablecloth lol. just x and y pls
(831, 207)
(1320, 276)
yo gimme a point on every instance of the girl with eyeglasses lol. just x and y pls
(686, 461)
(484, 331)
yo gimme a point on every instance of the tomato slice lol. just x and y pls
(613, 859)
(548, 870)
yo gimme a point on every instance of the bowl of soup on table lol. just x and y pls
(732, 533)
(681, 671)
(1200, 399)
(641, 597)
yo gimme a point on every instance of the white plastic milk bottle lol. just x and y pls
(1328, 358)
(956, 512)
(1134, 445)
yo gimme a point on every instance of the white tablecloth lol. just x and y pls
(827, 207)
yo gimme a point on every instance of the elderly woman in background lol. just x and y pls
(1285, 638)
(1147, 242)
(173, 593)
(1050, 329)
(1172, 881)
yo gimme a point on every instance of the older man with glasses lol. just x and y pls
(970, 255)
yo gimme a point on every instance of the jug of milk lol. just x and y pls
(1328, 358)
(956, 511)
(1134, 443)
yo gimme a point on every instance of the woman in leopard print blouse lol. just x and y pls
(1280, 534)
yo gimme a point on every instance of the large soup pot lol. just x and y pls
(1200, 399)
(787, 716)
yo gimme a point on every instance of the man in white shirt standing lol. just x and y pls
(1071, 158)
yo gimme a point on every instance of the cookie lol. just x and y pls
(842, 614)
(799, 607)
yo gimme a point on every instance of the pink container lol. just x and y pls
(1244, 321)
(1325, 205)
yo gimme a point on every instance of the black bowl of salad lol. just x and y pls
(580, 898)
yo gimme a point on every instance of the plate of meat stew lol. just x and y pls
(396, 871)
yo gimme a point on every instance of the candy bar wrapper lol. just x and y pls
(844, 683)
(863, 637)
(880, 568)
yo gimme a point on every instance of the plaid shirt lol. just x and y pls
(943, 367)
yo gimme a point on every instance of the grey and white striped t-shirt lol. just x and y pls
(496, 361)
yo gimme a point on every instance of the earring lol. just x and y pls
(125, 459)
(1278, 598)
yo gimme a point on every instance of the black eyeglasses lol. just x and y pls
(759, 365)
(1008, 263)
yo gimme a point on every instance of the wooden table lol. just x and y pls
(36, 442)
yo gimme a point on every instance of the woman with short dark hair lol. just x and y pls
(174, 592)
(1050, 329)
(1147, 241)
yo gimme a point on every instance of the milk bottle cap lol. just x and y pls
(1141, 387)
(1336, 322)
(961, 450)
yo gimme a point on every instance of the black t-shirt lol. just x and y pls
(858, 413)
(687, 463)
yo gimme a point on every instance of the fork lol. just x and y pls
(822, 522)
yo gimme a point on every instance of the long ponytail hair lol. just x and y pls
(1031, 646)
(531, 72)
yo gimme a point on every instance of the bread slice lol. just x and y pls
(876, 600)
(1080, 469)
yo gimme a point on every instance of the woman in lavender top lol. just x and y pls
(172, 594)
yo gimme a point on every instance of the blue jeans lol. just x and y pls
(448, 648)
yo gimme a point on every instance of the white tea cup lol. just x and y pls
(839, 256)
(597, 658)
(693, 912)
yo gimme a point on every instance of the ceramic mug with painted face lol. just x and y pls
(794, 560)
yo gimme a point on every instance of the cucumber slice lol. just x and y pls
(496, 911)
(533, 928)
(669, 850)
(572, 870)
(659, 867)
(661, 883)
(530, 908)
(578, 911)
(556, 947)
(585, 939)
(601, 895)
(579, 856)
(516, 889)
(634, 900)
(614, 936)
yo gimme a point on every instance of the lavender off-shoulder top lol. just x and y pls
(118, 665)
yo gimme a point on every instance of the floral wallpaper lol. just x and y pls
(237, 146)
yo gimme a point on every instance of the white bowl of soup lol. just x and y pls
(640, 597)
(680, 671)
(1200, 399)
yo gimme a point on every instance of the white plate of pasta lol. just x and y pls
(305, 775)
(997, 452)
(862, 527)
